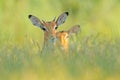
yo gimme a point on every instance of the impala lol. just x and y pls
(51, 36)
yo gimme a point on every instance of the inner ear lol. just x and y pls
(62, 18)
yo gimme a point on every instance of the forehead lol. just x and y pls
(49, 24)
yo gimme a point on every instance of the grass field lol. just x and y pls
(88, 60)
(94, 53)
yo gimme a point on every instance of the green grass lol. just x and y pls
(88, 60)
(94, 53)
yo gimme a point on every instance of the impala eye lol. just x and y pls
(43, 29)
(55, 27)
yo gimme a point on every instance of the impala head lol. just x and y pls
(50, 33)
(49, 28)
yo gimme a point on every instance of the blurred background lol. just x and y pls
(95, 17)
(21, 42)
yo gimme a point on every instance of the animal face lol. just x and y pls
(50, 33)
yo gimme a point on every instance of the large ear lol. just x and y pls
(61, 19)
(35, 21)
(74, 29)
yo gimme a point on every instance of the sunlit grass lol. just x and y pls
(90, 60)
(94, 52)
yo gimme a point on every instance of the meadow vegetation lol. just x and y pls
(94, 53)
